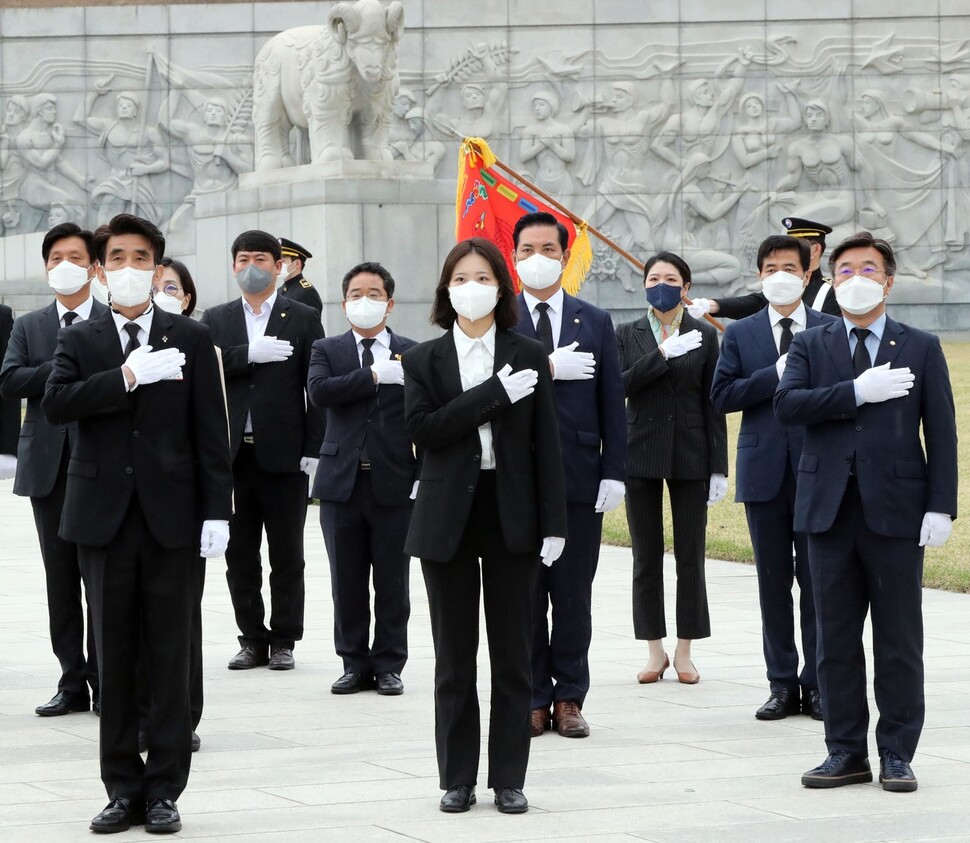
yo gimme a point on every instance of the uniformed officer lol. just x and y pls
(295, 286)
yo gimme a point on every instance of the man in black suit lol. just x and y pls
(752, 358)
(148, 474)
(9, 408)
(581, 343)
(295, 286)
(870, 499)
(43, 455)
(364, 482)
(266, 340)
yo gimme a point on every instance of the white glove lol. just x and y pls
(517, 386)
(610, 495)
(936, 529)
(880, 383)
(699, 308)
(215, 538)
(780, 364)
(414, 491)
(388, 372)
(149, 366)
(675, 345)
(571, 365)
(718, 489)
(8, 466)
(269, 350)
(308, 465)
(552, 547)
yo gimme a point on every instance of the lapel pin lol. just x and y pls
(283, 315)
(164, 339)
(576, 321)
(892, 342)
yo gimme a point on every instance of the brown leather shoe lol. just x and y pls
(541, 720)
(568, 720)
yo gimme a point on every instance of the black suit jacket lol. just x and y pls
(673, 429)
(165, 443)
(898, 482)
(300, 289)
(285, 429)
(357, 408)
(26, 367)
(443, 422)
(9, 407)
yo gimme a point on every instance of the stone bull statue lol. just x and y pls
(336, 81)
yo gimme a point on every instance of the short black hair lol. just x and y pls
(785, 243)
(671, 258)
(862, 240)
(255, 240)
(539, 218)
(185, 279)
(506, 310)
(62, 232)
(128, 224)
(374, 268)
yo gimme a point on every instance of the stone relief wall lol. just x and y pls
(687, 131)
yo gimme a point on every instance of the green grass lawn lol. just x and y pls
(946, 567)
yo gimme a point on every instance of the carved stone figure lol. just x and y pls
(419, 146)
(399, 134)
(337, 81)
(550, 144)
(11, 167)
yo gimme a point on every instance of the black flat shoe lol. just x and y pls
(63, 703)
(812, 704)
(389, 685)
(511, 800)
(780, 705)
(119, 815)
(895, 774)
(457, 800)
(162, 817)
(352, 683)
(839, 769)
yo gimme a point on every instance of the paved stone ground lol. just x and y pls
(284, 760)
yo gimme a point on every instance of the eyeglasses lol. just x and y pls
(846, 272)
(171, 289)
(373, 295)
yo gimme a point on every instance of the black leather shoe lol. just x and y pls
(63, 703)
(119, 815)
(511, 800)
(457, 800)
(812, 704)
(351, 683)
(162, 817)
(389, 685)
(895, 774)
(780, 704)
(839, 769)
(196, 742)
(248, 658)
(281, 658)
(96, 708)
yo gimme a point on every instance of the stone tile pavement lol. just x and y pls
(284, 760)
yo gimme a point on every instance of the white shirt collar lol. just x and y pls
(383, 338)
(555, 301)
(266, 308)
(464, 343)
(876, 328)
(798, 316)
(144, 321)
(83, 310)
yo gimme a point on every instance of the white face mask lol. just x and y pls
(99, 292)
(170, 304)
(128, 286)
(859, 295)
(539, 272)
(473, 300)
(782, 288)
(365, 313)
(67, 278)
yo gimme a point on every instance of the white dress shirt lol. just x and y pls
(476, 364)
(256, 322)
(381, 348)
(83, 310)
(799, 319)
(555, 302)
(144, 323)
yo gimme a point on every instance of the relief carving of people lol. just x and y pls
(420, 146)
(550, 144)
(12, 170)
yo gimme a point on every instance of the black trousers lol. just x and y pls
(278, 503)
(141, 597)
(362, 538)
(507, 580)
(773, 537)
(644, 512)
(560, 659)
(856, 571)
(65, 605)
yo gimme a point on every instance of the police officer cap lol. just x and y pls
(295, 250)
(805, 228)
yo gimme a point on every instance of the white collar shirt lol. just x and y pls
(83, 310)
(799, 320)
(380, 348)
(476, 364)
(555, 302)
(256, 322)
(144, 323)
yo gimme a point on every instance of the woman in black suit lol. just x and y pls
(674, 435)
(479, 404)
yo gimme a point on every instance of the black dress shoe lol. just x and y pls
(389, 685)
(63, 703)
(895, 774)
(281, 658)
(162, 817)
(839, 769)
(351, 683)
(96, 708)
(119, 815)
(812, 704)
(511, 800)
(780, 704)
(248, 658)
(457, 800)
(196, 742)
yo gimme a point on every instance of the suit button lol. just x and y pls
(670, 418)
(134, 434)
(848, 459)
(858, 427)
(476, 458)
(129, 470)
(252, 386)
(471, 488)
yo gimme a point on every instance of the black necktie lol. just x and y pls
(69, 318)
(367, 356)
(544, 326)
(786, 335)
(860, 359)
(132, 329)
